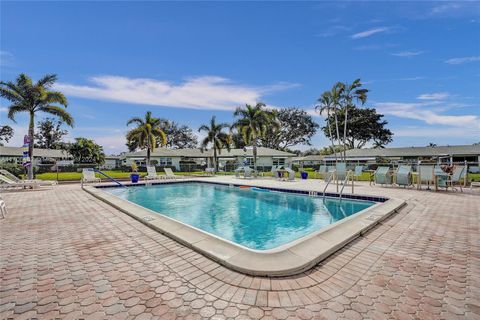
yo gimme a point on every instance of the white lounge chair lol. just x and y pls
(383, 176)
(88, 175)
(12, 177)
(170, 175)
(358, 172)
(426, 175)
(152, 174)
(291, 174)
(3, 208)
(403, 176)
(210, 171)
(7, 183)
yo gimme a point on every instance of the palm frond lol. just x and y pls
(58, 112)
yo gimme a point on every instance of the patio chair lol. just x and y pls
(273, 171)
(340, 171)
(322, 170)
(169, 174)
(382, 176)
(238, 171)
(152, 174)
(88, 175)
(3, 208)
(454, 179)
(7, 183)
(426, 175)
(358, 172)
(291, 174)
(403, 176)
(12, 177)
(248, 172)
(210, 171)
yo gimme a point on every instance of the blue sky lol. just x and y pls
(187, 61)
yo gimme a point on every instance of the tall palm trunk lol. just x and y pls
(255, 154)
(330, 133)
(31, 132)
(345, 134)
(148, 155)
(336, 127)
(215, 162)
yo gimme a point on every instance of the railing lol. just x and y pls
(330, 178)
(345, 181)
(110, 178)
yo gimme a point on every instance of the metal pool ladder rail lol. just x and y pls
(349, 174)
(110, 178)
(330, 177)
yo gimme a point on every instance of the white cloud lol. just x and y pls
(333, 31)
(413, 131)
(368, 33)
(6, 58)
(444, 8)
(434, 96)
(463, 60)
(420, 111)
(407, 53)
(207, 92)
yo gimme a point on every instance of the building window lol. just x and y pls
(165, 161)
(248, 161)
(278, 161)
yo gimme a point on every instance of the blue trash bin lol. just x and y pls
(304, 175)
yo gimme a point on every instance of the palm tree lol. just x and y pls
(146, 133)
(216, 137)
(349, 92)
(326, 104)
(336, 95)
(32, 98)
(253, 124)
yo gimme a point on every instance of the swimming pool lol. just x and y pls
(257, 219)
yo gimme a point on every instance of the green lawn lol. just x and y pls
(75, 176)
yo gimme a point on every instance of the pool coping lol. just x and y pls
(286, 260)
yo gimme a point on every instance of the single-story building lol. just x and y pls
(444, 154)
(111, 162)
(310, 160)
(186, 159)
(40, 156)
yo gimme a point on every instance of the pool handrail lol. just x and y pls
(110, 178)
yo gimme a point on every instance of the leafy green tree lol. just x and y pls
(365, 125)
(86, 150)
(6, 133)
(326, 105)
(349, 94)
(237, 140)
(216, 137)
(147, 133)
(49, 134)
(253, 123)
(296, 127)
(178, 136)
(33, 98)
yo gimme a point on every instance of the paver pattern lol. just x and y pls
(65, 254)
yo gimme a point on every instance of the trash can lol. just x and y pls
(304, 175)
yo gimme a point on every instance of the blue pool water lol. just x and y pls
(256, 220)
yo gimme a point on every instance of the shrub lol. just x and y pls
(13, 168)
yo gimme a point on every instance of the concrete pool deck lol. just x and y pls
(286, 260)
(65, 254)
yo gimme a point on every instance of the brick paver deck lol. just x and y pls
(65, 254)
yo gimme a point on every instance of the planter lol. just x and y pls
(134, 177)
(304, 175)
